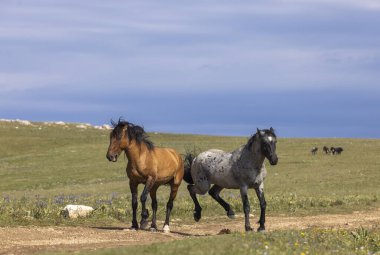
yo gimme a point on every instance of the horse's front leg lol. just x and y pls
(263, 205)
(198, 209)
(144, 212)
(133, 187)
(246, 207)
(153, 196)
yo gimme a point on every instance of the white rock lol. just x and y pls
(75, 211)
(82, 126)
(24, 122)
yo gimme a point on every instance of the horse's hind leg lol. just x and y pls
(198, 208)
(169, 206)
(263, 204)
(214, 193)
(201, 186)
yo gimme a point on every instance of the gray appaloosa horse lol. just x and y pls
(241, 169)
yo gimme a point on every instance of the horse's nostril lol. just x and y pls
(114, 158)
(111, 157)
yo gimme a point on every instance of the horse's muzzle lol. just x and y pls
(112, 158)
(273, 160)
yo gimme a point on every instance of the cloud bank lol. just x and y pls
(85, 59)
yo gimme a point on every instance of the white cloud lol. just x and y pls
(98, 53)
(218, 43)
(17, 81)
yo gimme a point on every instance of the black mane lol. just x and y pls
(268, 132)
(134, 132)
(250, 142)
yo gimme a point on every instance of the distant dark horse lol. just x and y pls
(146, 164)
(314, 150)
(326, 149)
(336, 150)
(241, 169)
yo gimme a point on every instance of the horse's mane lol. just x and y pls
(252, 139)
(134, 132)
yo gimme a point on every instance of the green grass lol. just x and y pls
(43, 167)
(309, 241)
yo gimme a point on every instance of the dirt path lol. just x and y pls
(28, 240)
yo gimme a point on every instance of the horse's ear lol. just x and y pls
(260, 132)
(271, 130)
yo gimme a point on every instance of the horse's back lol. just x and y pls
(213, 167)
(224, 169)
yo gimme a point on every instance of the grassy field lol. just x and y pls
(310, 241)
(45, 166)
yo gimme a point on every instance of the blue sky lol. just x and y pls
(308, 68)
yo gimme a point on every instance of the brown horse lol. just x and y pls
(146, 164)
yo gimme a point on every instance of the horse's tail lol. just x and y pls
(189, 157)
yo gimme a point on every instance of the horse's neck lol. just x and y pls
(135, 151)
(253, 156)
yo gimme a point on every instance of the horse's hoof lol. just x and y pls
(197, 216)
(231, 215)
(153, 229)
(261, 230)
(247, 228)
(134, 226)
(166, 229)
(144, 224)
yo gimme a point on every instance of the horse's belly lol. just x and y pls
(164, 177)
(226, 183)
(223, 179)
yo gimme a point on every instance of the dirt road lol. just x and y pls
(29, 240)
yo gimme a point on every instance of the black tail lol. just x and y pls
(189, 157)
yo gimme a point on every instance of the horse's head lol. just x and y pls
(268, 144)
(118, 140)
(124, 136)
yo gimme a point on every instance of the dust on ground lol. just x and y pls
(29, 240)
